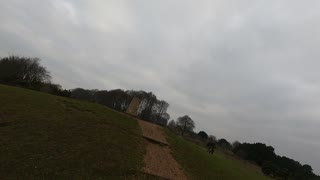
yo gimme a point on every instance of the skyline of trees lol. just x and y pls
(23, 71)
(272, 164)
(28, 73)
(150, 108)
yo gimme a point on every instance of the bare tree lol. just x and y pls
(203, 135)
(162, 107)
(224, 144)
(235, 144)
(172, 124)
(23, 71)
(147, 103)
(185, 123)
(212, 138)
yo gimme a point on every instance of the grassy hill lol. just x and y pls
(50, 137)
(198, 164)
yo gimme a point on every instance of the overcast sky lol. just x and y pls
(243, 70)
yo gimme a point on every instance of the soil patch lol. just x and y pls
(158, 158)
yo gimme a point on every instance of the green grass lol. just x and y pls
(49, 137)
(198, 164)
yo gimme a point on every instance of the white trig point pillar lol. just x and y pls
(134, 106)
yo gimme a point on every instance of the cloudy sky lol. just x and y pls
(243, 70)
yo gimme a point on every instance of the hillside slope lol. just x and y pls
(49, 137)
(198, 164)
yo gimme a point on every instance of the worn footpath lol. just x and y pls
(158, 159)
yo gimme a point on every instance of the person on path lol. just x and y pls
(211, 147)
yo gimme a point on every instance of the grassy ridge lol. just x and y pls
(198, 164)
(49, 137)
(45, 136)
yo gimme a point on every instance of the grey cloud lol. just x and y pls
(244, 70)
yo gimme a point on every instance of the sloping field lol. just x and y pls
(198, 164)
(49, 137)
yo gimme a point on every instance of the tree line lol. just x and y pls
(28, 73)
(150, 108)
(271, 164)
(274, 165)
(24, 72)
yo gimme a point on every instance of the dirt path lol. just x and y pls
(158, 158)
(153, 131)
